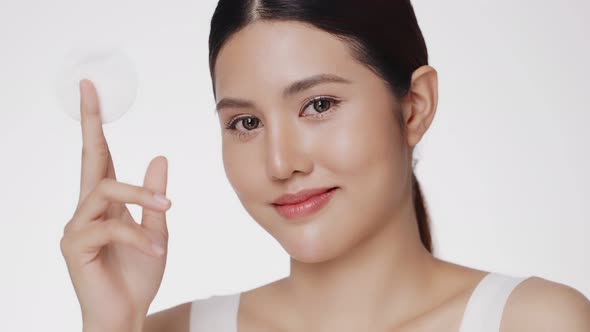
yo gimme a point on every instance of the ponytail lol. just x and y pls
(421, 214)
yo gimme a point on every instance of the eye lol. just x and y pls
(322, 105)
(248, 122)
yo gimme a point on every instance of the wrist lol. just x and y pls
(135, 326)
(94, 328)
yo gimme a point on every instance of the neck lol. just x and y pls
(373, 283)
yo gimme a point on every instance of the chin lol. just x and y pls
(328, 234)
(309, 256)
(317, 245)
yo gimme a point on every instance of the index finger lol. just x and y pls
(95, 152)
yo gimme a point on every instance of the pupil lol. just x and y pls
(250, 121)
(322, 104)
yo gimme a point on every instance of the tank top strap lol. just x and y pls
(485, 306)
(216, 313)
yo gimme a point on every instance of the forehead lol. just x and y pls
(269, 55)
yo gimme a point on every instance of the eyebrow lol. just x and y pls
(292, 89)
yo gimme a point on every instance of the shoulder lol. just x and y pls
(179, 317)
(537, 304)
(172, 319)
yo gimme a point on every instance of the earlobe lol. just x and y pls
(422, 100)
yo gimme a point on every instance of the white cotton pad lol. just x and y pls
(112, 72)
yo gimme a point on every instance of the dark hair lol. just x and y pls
(382, 34)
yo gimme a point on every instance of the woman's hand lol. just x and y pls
(115, 270)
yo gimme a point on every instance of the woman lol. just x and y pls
(321, 104)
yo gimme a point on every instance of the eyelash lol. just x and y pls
(231, 126)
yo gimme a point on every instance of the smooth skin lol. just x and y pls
(114, 269)
(357, 264)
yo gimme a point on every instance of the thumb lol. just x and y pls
(156, 178)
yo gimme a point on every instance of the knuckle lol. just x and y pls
(84, 150)
(101, 149)
(71, 224)
(64, 246)
(67, 227)
(98, 149)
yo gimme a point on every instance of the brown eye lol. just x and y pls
(250, 123)
(322, 105)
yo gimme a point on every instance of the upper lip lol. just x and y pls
(300, 196)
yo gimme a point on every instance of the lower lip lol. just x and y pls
(307, 207)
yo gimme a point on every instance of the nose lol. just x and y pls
(285, 153)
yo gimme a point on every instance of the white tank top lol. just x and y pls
(483, 311)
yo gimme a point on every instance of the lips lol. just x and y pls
(297, 211)
(301, 196)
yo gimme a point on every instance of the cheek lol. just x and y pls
(242, 168)
(358, 142)
(365, 156)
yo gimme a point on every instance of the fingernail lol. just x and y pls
(82, 98)
(82, 83)
(81, 89)
(161, 199)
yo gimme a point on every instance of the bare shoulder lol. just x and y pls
(174, 319)
(537, 304)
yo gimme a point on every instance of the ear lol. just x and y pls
(420, 103)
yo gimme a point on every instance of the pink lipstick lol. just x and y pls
(303, 203)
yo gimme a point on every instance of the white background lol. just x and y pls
(504, 166)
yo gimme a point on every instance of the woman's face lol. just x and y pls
(284, 142)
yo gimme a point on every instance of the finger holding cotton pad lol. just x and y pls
(111, 71)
